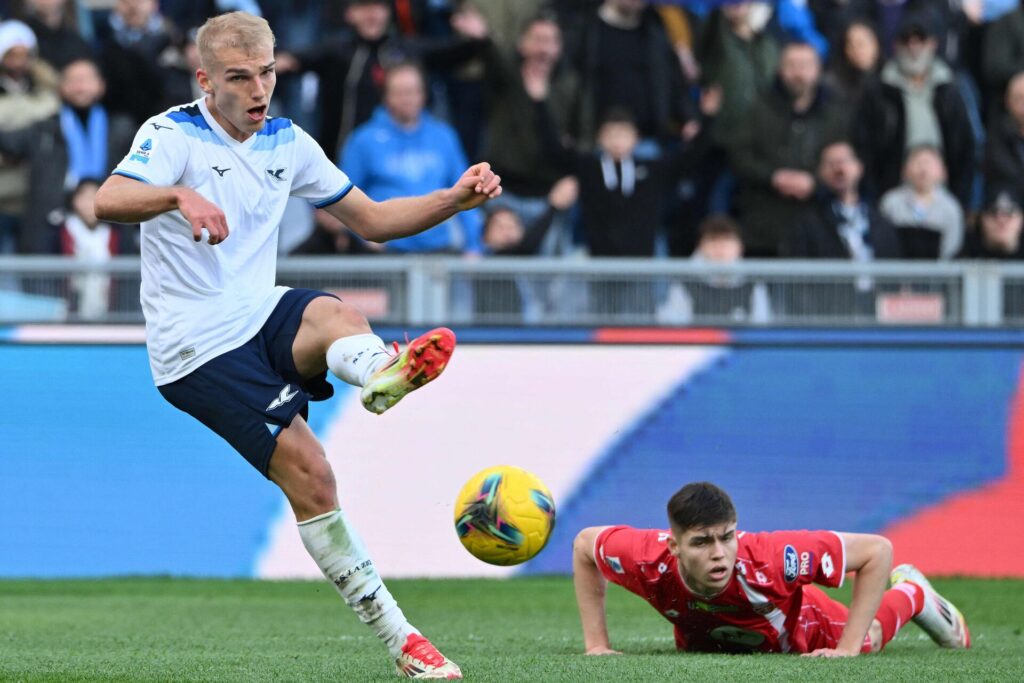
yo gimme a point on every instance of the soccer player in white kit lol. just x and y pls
(242, 355)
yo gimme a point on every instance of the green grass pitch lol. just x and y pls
(514, 630)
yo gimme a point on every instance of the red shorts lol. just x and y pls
(821, 622)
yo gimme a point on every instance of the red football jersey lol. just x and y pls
(767, 606)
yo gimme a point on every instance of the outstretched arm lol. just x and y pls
(869, 557)
(404, 216)
(590, 591)
(123, 200)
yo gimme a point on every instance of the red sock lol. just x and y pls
(899, 605)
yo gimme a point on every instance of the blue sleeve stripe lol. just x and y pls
(126, 174)
(338, 196)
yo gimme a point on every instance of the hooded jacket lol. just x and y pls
(386, 160)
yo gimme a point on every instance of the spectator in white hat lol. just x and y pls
(28, 93)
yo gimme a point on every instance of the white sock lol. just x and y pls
(353, 359)
(341, 556)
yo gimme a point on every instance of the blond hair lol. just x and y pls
(237, 30)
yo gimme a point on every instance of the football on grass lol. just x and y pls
(504, 515)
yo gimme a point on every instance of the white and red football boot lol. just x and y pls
(420, 659)
(939, 617)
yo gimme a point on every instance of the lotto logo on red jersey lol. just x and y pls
(827, 568)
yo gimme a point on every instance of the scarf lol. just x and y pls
(126, 35)
(611, 179)
(87, 146)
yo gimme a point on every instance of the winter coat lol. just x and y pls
(776, 137)
(44, 151)
(880, 133)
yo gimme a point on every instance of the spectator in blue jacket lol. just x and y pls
(402, 151)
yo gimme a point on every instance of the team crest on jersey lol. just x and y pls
(615, 565)
(143, 152)
(790, 563)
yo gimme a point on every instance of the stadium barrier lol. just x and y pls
(587, 292)
(915, 433)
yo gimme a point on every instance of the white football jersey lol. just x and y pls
(200, 300)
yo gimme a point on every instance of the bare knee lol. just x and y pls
(324, 321)
(335, 317)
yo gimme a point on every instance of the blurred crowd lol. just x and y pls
(843, 129)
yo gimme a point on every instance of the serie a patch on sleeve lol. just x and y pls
(144, 151)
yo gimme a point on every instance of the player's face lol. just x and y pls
(706, 556)
(239, 87)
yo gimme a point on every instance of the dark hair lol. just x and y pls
(491, 212)
(832, 142)
(700, 504)
(839, 54)
(796, 42)
(618, 114)
(544, 16)
(719, 225)
(401, 65)
(82, 184)
(87, 60)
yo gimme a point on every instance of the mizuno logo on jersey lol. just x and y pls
(157, 126)
(283, 397)
(220, 171)
(276, 173)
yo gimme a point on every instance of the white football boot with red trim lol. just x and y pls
(420, 659)
(939, 618)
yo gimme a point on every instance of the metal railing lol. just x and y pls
(584, 292)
